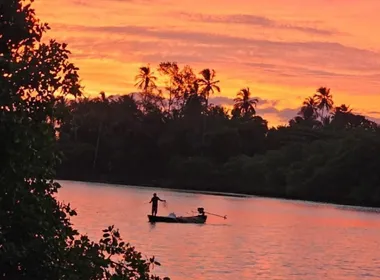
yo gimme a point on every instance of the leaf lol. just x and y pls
(114, 241)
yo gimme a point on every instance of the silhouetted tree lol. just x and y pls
(244, 104)
(145, 80)
(309, 109)
(171, 70)
(343, 117)
(343, 108)
(324, 102)
(208, 84)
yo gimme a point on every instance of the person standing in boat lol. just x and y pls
(154, 202)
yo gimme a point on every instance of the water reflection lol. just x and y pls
(261, 239)
(151, 226)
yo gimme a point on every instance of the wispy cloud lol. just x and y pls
(323, 54)
(284, 115)
(256, 20)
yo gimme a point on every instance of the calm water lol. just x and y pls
(261, 239)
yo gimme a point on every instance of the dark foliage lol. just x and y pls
(37, 240)
(325, 153)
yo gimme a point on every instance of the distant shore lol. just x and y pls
(226, 194)
(151, 186)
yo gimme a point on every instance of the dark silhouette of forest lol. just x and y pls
(325, 153)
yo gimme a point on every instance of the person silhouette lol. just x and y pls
(154, 202)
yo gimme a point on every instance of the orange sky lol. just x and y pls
(282, 50)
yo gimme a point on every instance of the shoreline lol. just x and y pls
(142, 186)
(226, 194)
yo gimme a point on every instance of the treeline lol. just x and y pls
(175, 137)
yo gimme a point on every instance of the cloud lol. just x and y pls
(301, 70)
(374, 113)
(283, 114)
(323, 55)
(221, 100)
(255, 20)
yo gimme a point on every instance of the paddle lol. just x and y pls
(224, 217)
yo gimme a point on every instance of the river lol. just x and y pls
(261, 238)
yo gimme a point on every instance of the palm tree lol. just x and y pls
(342, 116)
(145, 80)
(244, 103)
(343, 109)
(103, 102)
(324, 101)
(309, 109)
(207, 83)
(171, 70)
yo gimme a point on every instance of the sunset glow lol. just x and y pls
(282, 50)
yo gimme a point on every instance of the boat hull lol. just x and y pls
(181, 220)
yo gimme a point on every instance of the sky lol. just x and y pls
(283, 50)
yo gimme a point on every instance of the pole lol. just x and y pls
(224, 217)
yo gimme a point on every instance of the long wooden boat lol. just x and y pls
(200, 219)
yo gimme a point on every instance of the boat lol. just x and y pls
(199, 219)
(172, 218)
